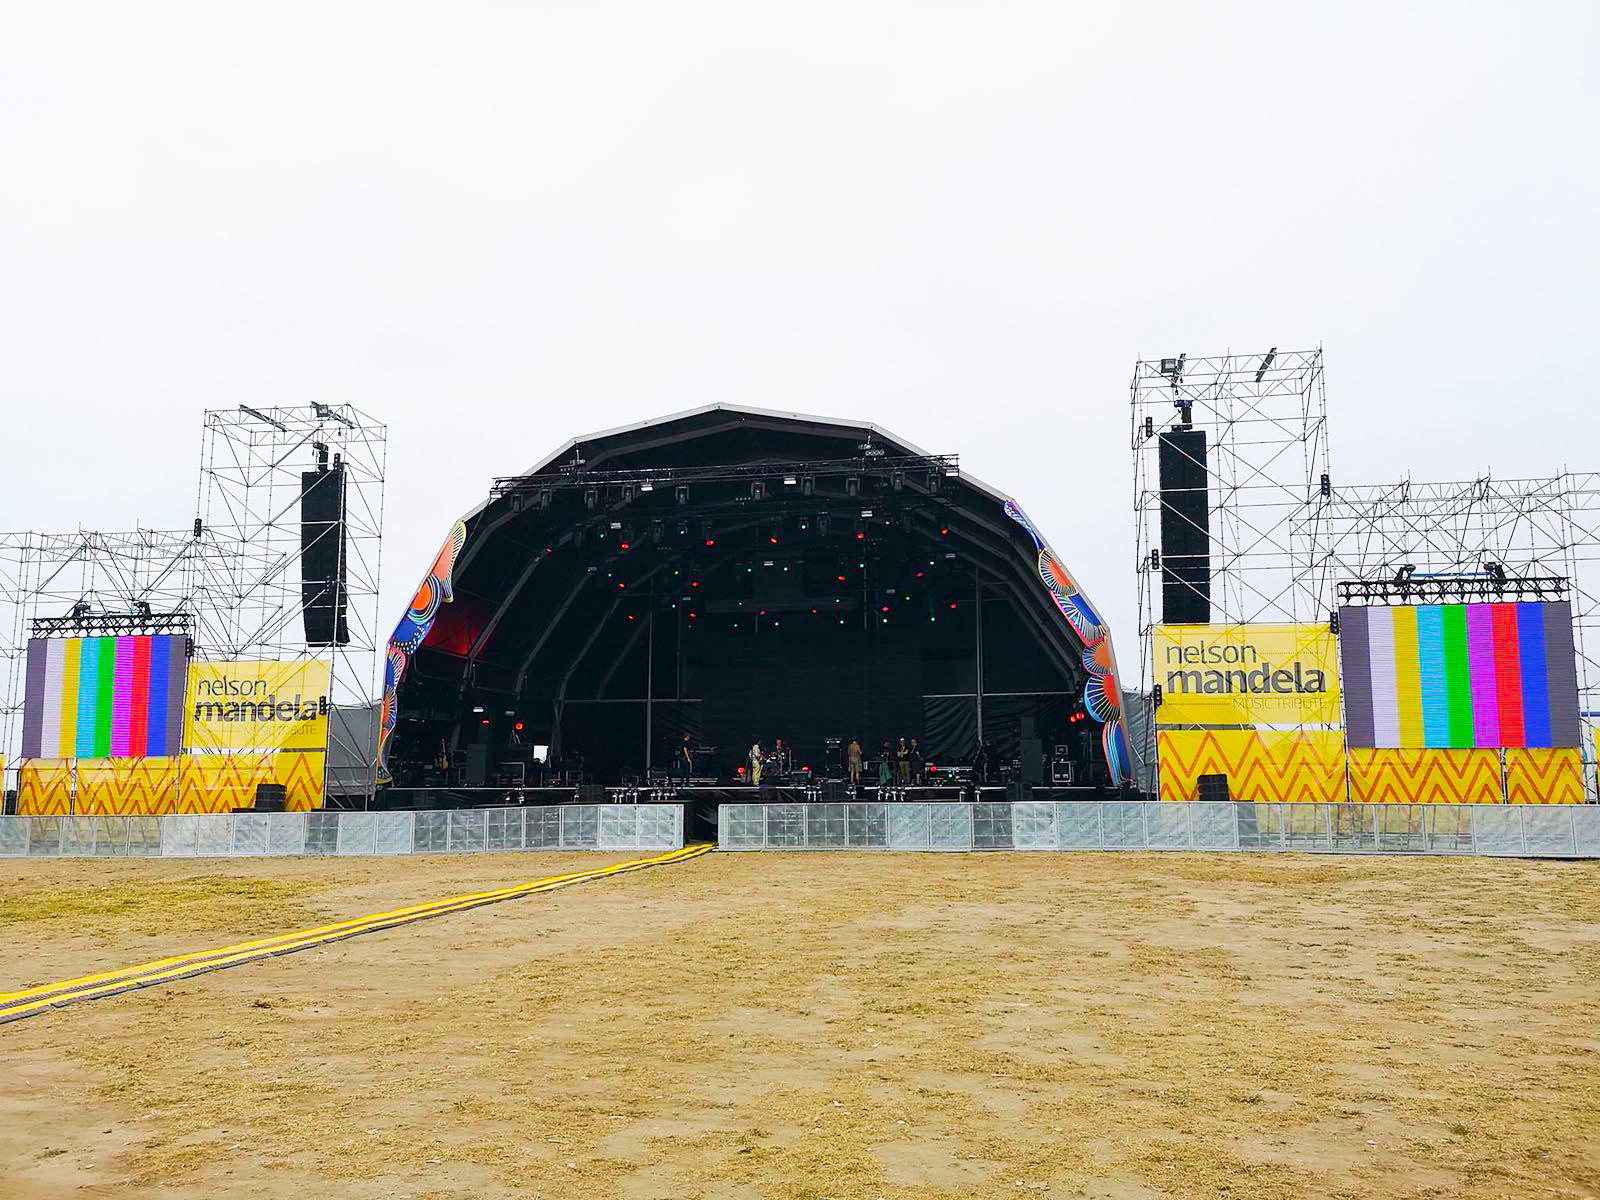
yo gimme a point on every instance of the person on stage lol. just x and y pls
(757, 761)
(919, 767)
(853, 756)
(780, 760)
(684, 759)
(902, 763)
(885, 768)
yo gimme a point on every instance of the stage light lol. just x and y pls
(627, 545)
(711, 541)
(808, 485)
(897, 480)
(772, 539)
(630, 616)
(790, 480)
(841, 579)
(647, 486)
(656, 532)
(920, 574)
(694, 583)
(883, 608)
(615, 525)
(621, 584)
(477, 708)
(518, 727)
(822, 524)
(852, 485)
(758, 490)
(861, 535)
(591, 498)
(952, 604)
(683, 495)
(944, 531)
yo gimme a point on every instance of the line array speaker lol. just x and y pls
(1185, 527)
(322, 550)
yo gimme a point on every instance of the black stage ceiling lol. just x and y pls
(739, 575)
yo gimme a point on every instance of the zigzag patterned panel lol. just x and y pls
(1425, 776)
(44, 787)
(302, 775)
(1271, 768)
(222, 782)
(1544, 776)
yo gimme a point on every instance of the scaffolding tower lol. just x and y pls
(1540, 534)
(259, 469)
(233, 582)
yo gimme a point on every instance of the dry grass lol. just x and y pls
(883, 1026)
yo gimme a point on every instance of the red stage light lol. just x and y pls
(627, 545)
(621, 584)
(711, 541)
(518, 727)
(741, 770)
(885, 608)
(773, 539)
(694, 583)
(920, 574)
(694, 616)
(952, 604)
(944, 531)
(630, 616)
(841, 579)
(860, 536)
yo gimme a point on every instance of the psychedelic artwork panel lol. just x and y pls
(104, 697)
(435, 590)
(1460, 676)
(1102, 695)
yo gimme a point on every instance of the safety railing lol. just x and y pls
(556, 827)
(1520, 830)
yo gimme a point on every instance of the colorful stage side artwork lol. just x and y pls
(1102, 695)
(434, 590)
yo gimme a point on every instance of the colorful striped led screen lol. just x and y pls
(104, 697)
(1470, 675)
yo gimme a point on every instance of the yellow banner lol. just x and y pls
(262, 706)
(1269, 675)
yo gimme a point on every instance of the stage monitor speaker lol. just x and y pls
(1214, 788)
(1185, 527)
(477, 764)
(1032, 764)
(322, 548)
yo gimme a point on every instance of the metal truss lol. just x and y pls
(252, 485)
(1267, 479)
(233, 580)
(1497, 539)
(91, 583)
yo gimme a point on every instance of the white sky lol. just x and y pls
(497, 226)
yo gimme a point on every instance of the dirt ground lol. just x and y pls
(810, 1026)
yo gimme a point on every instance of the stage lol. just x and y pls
(658, 601)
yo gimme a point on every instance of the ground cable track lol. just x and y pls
(30, 1002)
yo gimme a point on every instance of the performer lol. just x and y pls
(854, 757)
(919, 768)
(885, 768)
(780, 760)
(757, 759)
(902, 763)
(684, 759)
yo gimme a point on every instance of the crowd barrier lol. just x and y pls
(1533, 830)
(556, 827)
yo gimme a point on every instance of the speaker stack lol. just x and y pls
(1185, 527)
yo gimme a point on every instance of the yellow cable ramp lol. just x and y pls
(30, 1002)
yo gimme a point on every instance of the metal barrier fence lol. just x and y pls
(1510, 830)
(558, 827)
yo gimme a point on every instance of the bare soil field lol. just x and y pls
(811, 1026)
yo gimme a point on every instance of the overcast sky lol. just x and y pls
(498, 226)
